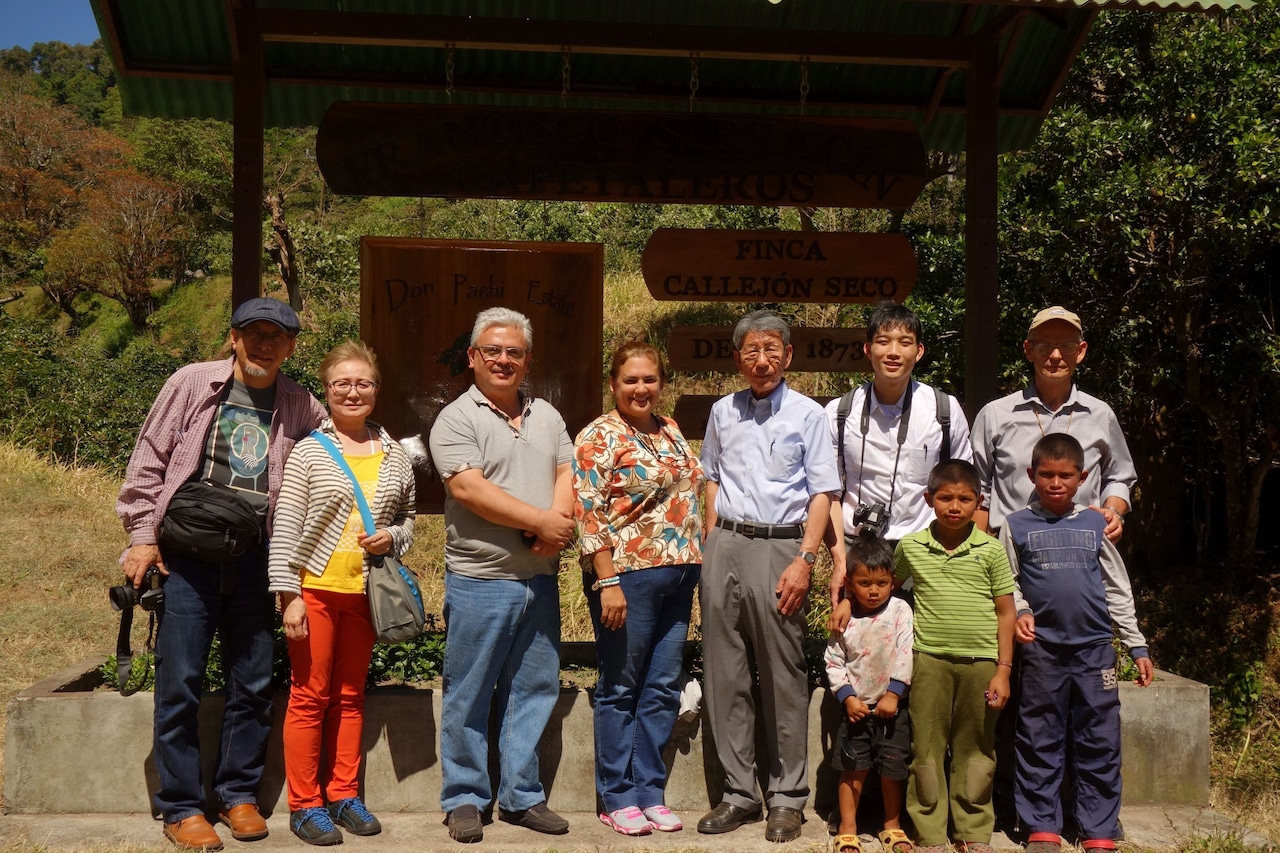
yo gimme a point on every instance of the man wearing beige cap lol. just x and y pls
(1007, 429)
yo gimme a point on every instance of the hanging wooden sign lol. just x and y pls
(607, 155)
(418, 303)
(813, 350)
(694, 410)
(778, 266)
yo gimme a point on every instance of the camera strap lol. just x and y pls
(124, 652)
(842, 415)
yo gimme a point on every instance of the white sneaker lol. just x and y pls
(663, 819)
(628, 821)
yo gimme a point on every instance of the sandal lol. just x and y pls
(846, 844)
(1044, 842)
(895, 841)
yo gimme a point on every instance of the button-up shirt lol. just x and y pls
(769, 456)
(920, 452)
(172, 441)
(1006, 431)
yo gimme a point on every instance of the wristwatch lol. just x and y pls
(808, 556)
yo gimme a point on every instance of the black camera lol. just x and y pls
(150, 596)
(874, 518)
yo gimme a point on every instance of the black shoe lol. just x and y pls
(352, 816)
(783, 824)
(465, 825)
(314, 826)
(726, 817)
(539, 818)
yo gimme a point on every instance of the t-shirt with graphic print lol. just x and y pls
(235, 453)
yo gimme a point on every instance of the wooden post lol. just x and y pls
(248, 85)
(981, 285)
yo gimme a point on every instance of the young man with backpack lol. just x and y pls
(888, 434)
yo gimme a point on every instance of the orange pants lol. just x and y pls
(326, 701)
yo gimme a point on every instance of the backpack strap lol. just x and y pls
(944, 420)
(842, 414)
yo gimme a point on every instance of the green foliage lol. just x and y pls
(421, 659)
(414, 662)
(1241, 693)
(142, 672)
(1147, 204)
(76, 76)
(76, 404)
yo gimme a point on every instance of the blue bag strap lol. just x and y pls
(361, 503)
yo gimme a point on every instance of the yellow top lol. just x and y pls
(345, 569)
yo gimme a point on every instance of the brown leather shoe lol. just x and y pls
(193, 833)
(245, 821)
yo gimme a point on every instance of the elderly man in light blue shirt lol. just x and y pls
(771, 471)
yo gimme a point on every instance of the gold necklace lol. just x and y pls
(1071, 414)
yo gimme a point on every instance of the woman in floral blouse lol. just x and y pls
(639, 494)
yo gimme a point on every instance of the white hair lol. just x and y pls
(490, 317)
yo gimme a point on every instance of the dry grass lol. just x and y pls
(62, 539)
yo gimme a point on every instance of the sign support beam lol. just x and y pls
(981, 286)
(248, 85)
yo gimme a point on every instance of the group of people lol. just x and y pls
(888, 478)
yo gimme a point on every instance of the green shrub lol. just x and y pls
(418, 660)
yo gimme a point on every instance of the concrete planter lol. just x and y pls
(69, 748)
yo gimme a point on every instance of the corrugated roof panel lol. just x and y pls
(194, 34)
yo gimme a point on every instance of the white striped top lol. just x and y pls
(316, 499)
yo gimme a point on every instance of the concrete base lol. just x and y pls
(68, 748)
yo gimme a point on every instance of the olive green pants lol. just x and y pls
(949, 713)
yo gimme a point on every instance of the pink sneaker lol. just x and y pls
(663, 819)
(628, 821)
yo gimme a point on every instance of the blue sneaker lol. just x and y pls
(352, 816)
(314, 826)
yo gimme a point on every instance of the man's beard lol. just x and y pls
(251, 369)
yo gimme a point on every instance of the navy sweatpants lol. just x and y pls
(1068, 693)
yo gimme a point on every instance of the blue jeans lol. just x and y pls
(638, 692)
(201, 598)
(502, 646)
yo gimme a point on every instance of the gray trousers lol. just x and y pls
(744, 636)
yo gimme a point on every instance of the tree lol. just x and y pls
(48, 158)
(134, 225)
(1149, 202)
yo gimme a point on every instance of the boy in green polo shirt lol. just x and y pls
(963, 650)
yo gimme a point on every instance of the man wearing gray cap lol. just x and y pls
(224, 427)
(1007, 429)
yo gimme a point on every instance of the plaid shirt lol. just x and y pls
(171, 444)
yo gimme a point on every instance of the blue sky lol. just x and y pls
(25, 22)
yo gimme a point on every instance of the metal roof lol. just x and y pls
(874, 58)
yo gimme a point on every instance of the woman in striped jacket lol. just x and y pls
(319, 564)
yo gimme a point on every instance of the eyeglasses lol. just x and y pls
(342, 386)
(1043, 348)
(492, 352)
(770, 353)
(256, 338)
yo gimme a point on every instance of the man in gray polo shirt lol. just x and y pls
(505, 460)
(1007, 429)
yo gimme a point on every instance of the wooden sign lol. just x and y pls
(606, 155)
(694, 410)
(418, 303)
(813, 350)
(778, 266)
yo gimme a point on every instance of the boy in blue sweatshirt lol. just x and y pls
(1071, 586)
